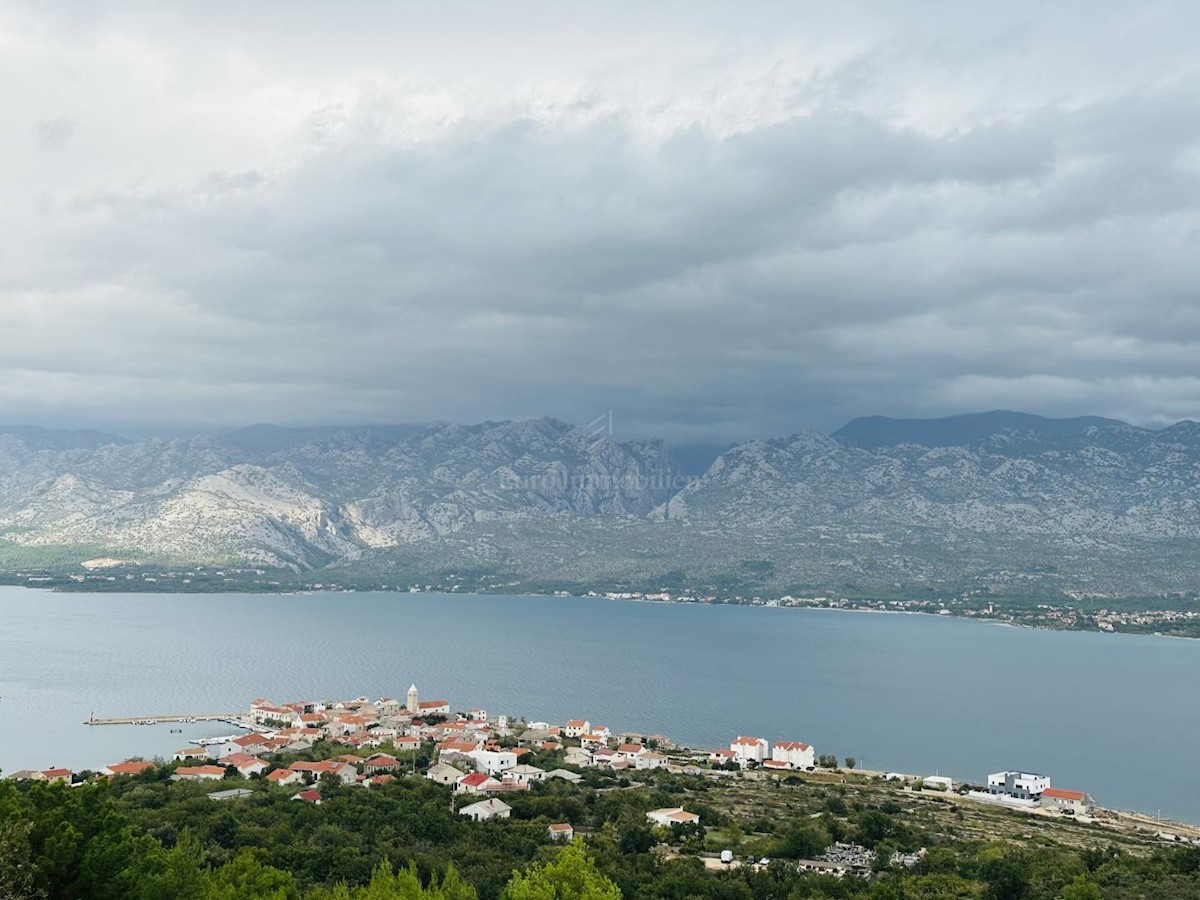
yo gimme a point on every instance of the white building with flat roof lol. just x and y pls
(1018, 785)
(493, 761)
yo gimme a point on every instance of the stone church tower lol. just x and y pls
(412, 699)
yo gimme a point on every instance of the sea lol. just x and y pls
(1113, 715)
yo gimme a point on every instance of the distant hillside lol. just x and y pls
(870, 432)
(999, 501)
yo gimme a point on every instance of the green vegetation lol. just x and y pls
(152, 838)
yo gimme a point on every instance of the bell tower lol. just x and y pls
(412, 699)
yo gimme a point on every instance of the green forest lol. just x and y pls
(151, 838)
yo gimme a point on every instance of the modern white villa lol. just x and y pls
(1018, 785)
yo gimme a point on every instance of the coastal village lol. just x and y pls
(485, 759)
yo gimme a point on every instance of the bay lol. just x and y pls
(1114, 715)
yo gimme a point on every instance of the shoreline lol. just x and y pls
(683, 756)
(299, 592)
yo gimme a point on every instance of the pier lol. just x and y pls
(231, 718)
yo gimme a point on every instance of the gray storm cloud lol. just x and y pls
(717, 230)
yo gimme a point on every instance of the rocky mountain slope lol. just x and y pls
(1001, 500)
(267, 498)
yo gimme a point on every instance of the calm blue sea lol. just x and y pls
(1113, 715)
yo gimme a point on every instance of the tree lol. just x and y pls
(16, 861)
(247, 878)
(571, 876)
(1082, 888)
(637, 839)
(851, 762)
(806, 840)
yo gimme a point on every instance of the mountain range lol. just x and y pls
(1000, 501)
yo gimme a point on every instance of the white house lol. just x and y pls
(798, 755)
(938, 782)
(561, 832)
(631, 751)
(650, 760)
(493, 761)
(475, 783)
(672, 815)
(749, 749)
(1074, 802)
(606, 757)
(577, 727)
(487, 809)
(1018, 785)
(524, 774)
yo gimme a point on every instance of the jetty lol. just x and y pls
(231, 718)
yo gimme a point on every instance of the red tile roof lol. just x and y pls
(790, 745)
(200, 770)
(239, 760)
(1063, 794)
(130, 767)
(475, 779)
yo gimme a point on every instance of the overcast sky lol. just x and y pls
(718, 220)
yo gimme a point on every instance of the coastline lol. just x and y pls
(843, 606)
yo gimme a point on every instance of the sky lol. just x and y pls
(716, 220)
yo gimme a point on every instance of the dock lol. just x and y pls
(231, 718)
